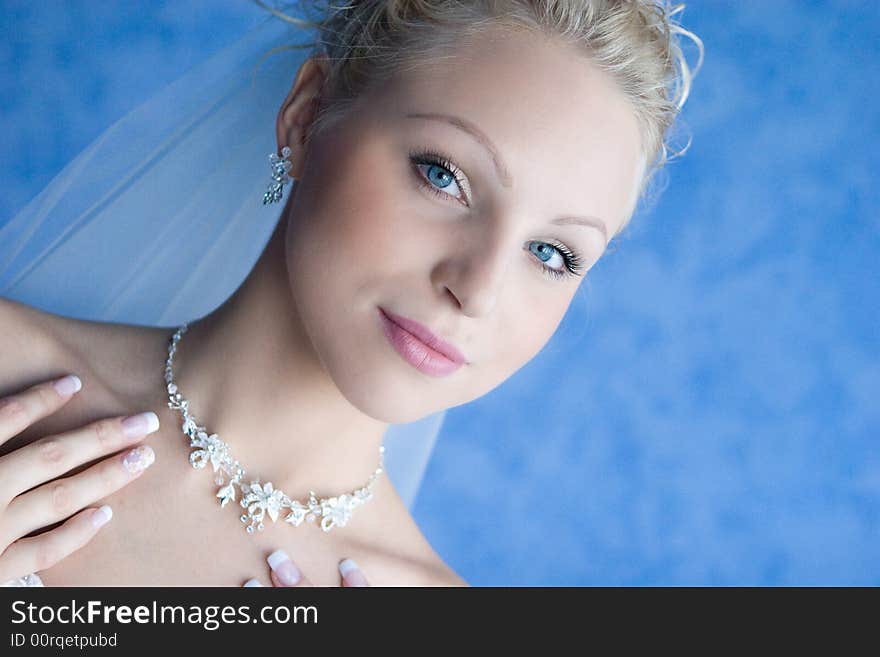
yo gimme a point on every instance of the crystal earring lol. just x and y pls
(280, 166)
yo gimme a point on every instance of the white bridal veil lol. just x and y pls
(160, 219)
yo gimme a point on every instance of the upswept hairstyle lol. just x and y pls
(634, 41)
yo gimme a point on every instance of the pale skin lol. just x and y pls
(294, 371)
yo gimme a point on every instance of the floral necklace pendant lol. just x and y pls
(258, 499)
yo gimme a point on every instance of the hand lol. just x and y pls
(43, 460)
(285, 573)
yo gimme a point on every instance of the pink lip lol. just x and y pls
(419, 346)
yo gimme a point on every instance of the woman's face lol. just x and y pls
(376, 222)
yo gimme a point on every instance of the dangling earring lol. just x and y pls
(280, 167)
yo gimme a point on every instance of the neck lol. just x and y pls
(251, 376)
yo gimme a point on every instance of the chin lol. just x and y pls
(385, 395)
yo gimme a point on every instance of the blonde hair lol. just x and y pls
(365, 42)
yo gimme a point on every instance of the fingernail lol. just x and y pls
(135, 426)
(138, 459)
(67, 385)
(351, 573)
(285, 570)
(253, 582)
(101, 516)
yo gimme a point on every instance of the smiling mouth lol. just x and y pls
(421, 355)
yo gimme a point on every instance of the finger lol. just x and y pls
(351, 573)
(285, 572)
(19, 411)
(253, 581)
(29, 555)
(52, 456)
(59, 498)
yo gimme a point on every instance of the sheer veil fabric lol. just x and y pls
(154, 224)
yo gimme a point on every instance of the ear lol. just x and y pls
(298, 110)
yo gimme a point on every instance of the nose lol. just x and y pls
(475, 275)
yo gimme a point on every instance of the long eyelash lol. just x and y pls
(574, 264)
(427, 155)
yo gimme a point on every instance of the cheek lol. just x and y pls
(354, 214)
(327, 224)
(536, 321)
(521, 335)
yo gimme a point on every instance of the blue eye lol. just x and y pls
(441, 174)
(545, 251)
(443, 178)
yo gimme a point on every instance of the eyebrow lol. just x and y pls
(501, 169)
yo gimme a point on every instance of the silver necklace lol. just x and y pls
(257, 498)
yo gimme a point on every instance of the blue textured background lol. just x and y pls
(707, 413)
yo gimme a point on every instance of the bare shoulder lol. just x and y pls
(444, 576)
(417, 565)
(413, 561)
(38, 346)
(29, 354)
(15, 318)
(422, 566)
(11, 310)
(28, 349)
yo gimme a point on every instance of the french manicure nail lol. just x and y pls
(138, 459)
(101, 516)
(346, 566)
(253, 582)
(135, 426)
(67, 385)
(284, 568)
(351, 572)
